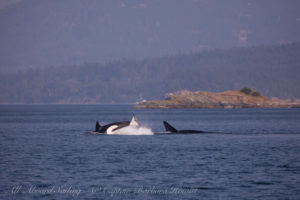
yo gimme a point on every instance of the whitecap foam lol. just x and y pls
(134, 130)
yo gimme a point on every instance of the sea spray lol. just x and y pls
(134, 130)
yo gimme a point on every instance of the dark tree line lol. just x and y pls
(273, 70)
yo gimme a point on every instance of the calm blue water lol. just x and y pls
(46, 153)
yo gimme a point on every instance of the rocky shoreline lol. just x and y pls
(244, 98)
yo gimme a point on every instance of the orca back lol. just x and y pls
(169, 128)
(114, 126)
(190, 131)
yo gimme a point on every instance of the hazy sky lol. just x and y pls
(5, 3)
(54, 32)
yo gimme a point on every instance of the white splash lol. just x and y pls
(133, 130)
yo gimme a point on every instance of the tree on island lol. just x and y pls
(249, 91)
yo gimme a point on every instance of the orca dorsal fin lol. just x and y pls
(169, 128)
(98, 126)
(133, 121)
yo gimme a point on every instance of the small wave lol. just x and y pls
(134, 130)
(261, 183)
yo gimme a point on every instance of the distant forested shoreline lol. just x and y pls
(272, 69)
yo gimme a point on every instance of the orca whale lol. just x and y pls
(170, 129)
(113, 127)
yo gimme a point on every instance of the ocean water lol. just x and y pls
(46, 152)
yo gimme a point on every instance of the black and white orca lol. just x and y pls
(113, 127)
(171, 130)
